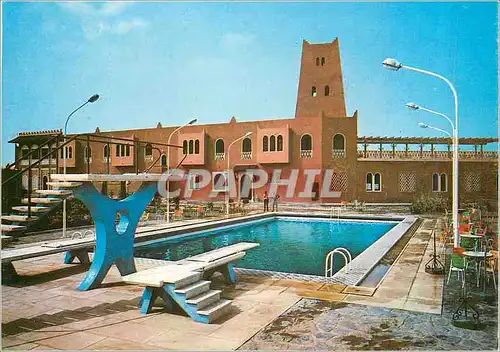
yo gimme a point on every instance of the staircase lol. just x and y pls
(43, 201)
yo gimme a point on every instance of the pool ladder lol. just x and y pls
(335, 213)
(329, 264)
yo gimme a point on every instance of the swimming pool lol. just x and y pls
(290, 245)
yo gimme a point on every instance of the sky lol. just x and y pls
(170, 62)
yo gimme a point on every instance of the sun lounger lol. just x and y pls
(183, 282)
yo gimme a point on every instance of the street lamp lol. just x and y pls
(92, 99)
(395, 65)
(227, 176)
(168, 164)
(424, 125)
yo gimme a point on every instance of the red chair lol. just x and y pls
(464, 228)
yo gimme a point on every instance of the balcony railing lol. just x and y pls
(424, 155)
(246, 155)
(338, 153)
(306, 154)
(219, 156)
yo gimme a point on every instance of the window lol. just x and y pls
(194, 181)
(118, 149)
(439, 182)
(35, 153)
(185, 147)
(317, 61)
(272, 144)
(87, 152)
(443, 187)
(280, 143)
(407, 182)
(247, 145)
(191, 146)
(306, 142)
(44, 152)
(197, 146)
(313, 91)
(472, 182)
(24, 152)
(327, 91)
(339, 182)
(219, 181)
(265, 144)
(106, 151)
(338, 142)
(219, 146)
(322, 61)
(54, 151)
(127, 150)
(149, 150)
(373, 182)
(164, 160)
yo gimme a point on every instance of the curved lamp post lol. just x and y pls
(92, 99)
(424, 125)
(395, 65)
(227, 176)
(168, 163)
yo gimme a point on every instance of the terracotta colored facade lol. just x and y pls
(320, 136)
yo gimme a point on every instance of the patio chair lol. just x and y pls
(492, 267)
(178, 214)
(464, 228)
(458, 264)
(144, 218)
(467, 243)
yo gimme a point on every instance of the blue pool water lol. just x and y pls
(286, 245)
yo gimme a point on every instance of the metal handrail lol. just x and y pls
(329, 264)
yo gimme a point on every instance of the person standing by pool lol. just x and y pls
(266, 201)
(275, 202)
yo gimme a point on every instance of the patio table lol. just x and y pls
(479, 256)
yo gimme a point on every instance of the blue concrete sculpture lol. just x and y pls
(114, 242)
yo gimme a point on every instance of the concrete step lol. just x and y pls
(205, 299)
(194, 289)
(24, 209)
(6, 239)
(54, 192)
(42, 200)
(64, 184)
(9, 228)
(19, 218)
(216, 310)
(186, 280)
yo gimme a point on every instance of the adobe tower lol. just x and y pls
(320, 83)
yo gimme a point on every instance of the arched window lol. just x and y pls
(265, 144)
(272, 143)
(127, 149)
(164, 160)
(118, 149)
(306, 142)
(219, 182)
(317, 61)
(373, 182)
(24, 181)
(247, 145)
(149, 150)
(279, 143)
(327, 91)
(25, 151)
(377, 182)
(87, 152)
(369, 182)
(219, 146)
(35, 152)
(197, 146)
(443, 187)
(338, 142)
(435, 182)
(185, 147)
(191, 146)
(106, 152)
(313, 91)
(70, 152)
(322, 61)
